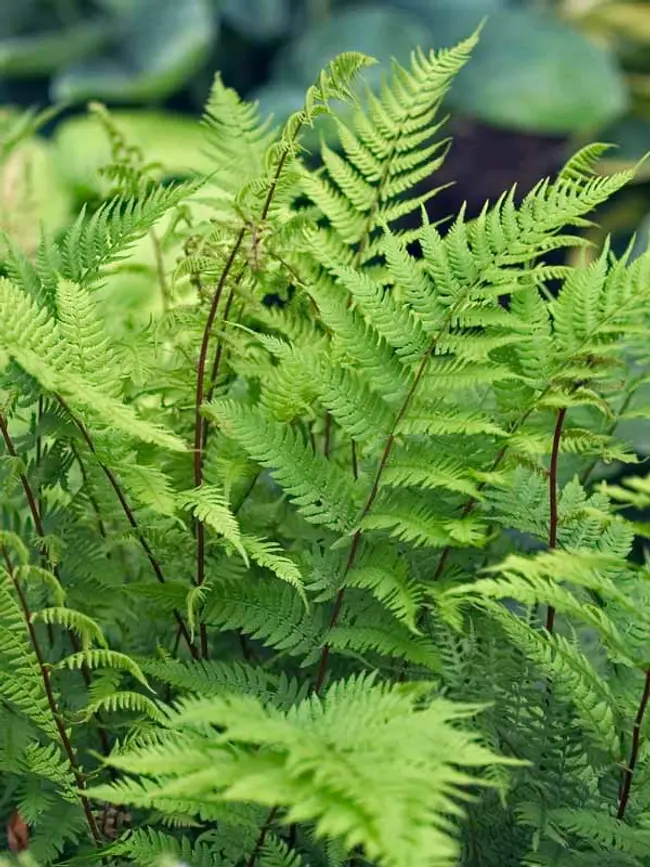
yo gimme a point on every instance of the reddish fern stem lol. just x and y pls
(552, 492)
(266, 827)
(216, 364)
(38, 526)
(24, 481)
(38, 492)
(634, 753)
(372, 496)
(130, 516)
(49, 693)
(200, 429)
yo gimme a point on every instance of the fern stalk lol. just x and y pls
(130, 516)
(552, 493)
(24, 481)
(38, 525)
(49, 693)
(634, 752)
(372, 496)
(266, 827)
(200, 427)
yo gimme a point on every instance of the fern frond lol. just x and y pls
(210, 506)
(322, 494)
(94, 243)
(104, 658)
(88, 630)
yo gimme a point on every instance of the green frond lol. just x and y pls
(601, 831)
(210, 506)
(94, 243)
(21, 684)
(336, 761)
(322, 494)
(48, 763)
(34, 340)
(104, 658)
(146, 484)
(83, 332)
(386, 577)
(126, 701)
(386, 639)
(270, 612)
(572, 675)
(411, 517)
(271, 556)
(276, 853)
(388, 148)
(150, 848)
(88, 630)
(234, 135)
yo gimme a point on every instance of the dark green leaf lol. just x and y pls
(49, 50)
(380, 32)
(163, 43)
(533, 72)
(451, 20)
(258, 20)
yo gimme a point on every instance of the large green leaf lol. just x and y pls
(42, 52)
(535, 73)
(450, 21)
(631, 135)
(379, 31)
(258, 20)
(161, 44)
(82, 146)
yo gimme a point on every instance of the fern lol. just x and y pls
(333, 581)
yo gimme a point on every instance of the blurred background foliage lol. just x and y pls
(547, 76)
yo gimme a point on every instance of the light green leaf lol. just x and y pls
(532, 72)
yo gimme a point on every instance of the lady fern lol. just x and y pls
(336, 580)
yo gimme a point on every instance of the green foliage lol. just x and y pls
(330, 580)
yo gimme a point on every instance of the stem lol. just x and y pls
(372, 496)
(130, 516)
(328, 435)
(634, 753)
(38, 494)
(38, 525)
(200, 429)
(552, 490)
(24, 481)
(262, 837)
(160, 270)
(47, 685)
(216, 364)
